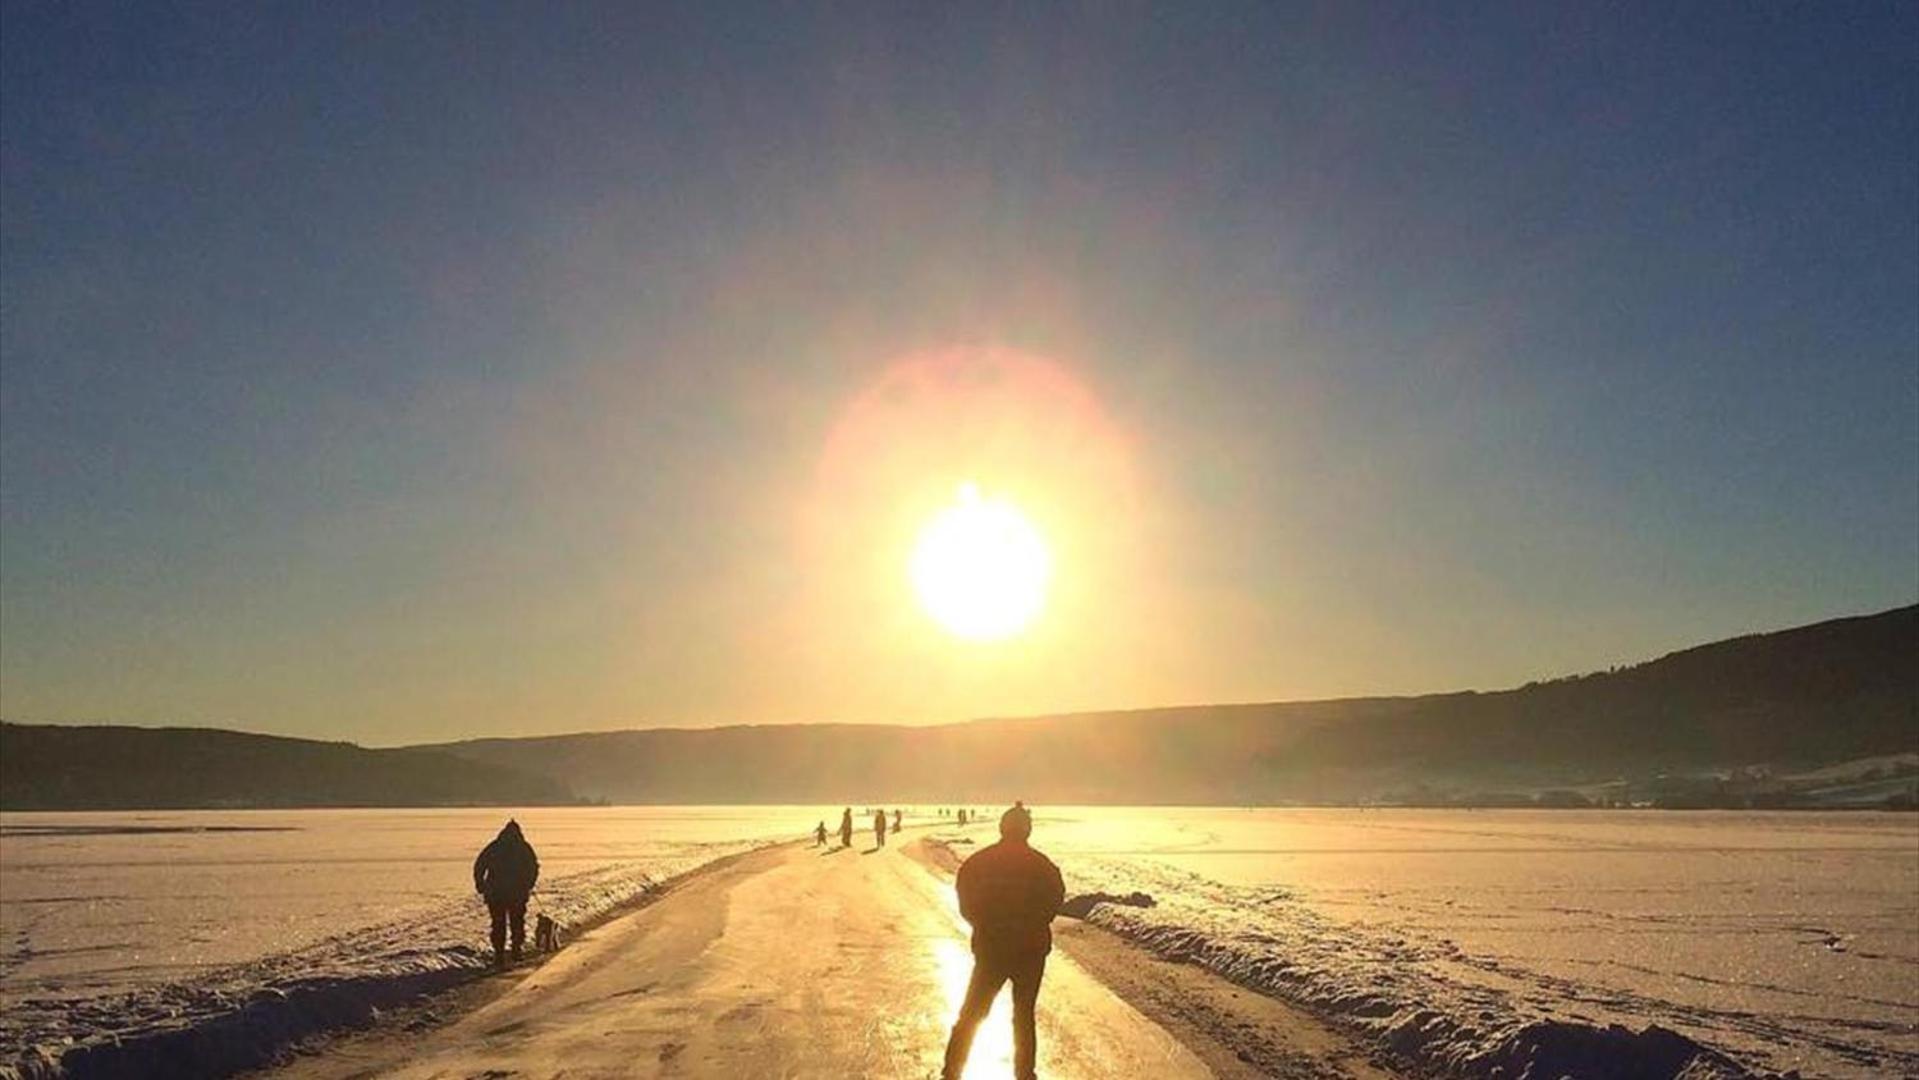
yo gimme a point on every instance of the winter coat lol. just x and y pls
(1010, 893)
(507, 867)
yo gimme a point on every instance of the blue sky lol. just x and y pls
(402, 374)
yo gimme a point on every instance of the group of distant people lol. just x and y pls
(880, 826)
(1008, 893)
(846, 828)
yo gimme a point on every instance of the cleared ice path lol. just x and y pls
(787, 963)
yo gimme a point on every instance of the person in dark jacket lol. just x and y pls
(846, 827)
(1009, 893)
(879, 829)
(896, 822)
(505, 874)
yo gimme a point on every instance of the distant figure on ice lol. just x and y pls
(896, 820)
(1009, 893)
(846, 827)
(819, 835)
(505, 873)
(879, 828)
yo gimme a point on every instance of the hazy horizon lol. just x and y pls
(408, 376)
(560, 730)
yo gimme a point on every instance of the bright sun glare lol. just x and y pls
(981, 568)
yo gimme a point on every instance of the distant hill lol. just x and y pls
(44, 767)
(1799, 698)
(1749, 709)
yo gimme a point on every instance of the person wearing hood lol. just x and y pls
(505, 874)
(1009, 893)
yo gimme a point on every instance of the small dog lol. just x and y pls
(546, 934)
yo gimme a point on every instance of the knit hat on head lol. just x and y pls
(1017, 823)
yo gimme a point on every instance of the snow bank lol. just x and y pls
(244, 1016)
(1080, 905)
(1383, 987)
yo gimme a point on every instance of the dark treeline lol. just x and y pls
(1750, 707)
(1808, 696)
(49, 767)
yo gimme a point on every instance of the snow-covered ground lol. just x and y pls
(249, 927)
(1466, 939)
(1476, 939)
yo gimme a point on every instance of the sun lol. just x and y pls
(981, 568)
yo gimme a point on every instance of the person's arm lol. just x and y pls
(533, 858)
(479, 872)
(1056, 888)
(965, 886)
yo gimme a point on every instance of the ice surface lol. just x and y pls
(1790, 941)
(223, 935)
(1467, 939)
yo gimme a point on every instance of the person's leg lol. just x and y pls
(980, 991)
(496, 911)
(1026, 979)
(517, 913)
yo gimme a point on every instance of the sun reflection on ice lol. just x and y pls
(992, 1056)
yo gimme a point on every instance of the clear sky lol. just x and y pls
(394, 372)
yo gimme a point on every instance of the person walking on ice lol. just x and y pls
(505, 874)
(846, 827)
(879, 828)
(1009, 893)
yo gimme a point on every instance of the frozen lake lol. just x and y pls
(1789, 939)
(94, 903)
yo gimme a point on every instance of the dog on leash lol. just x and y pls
(546, 934)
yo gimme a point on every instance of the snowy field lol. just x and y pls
(135, 923)
(93, 903)
(1467, 939)
(1790, 941)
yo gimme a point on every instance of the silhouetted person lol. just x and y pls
(1009, 893)
(819, 835)
(896, 821)
(846, 827)
(505, 873)
(879, 828)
